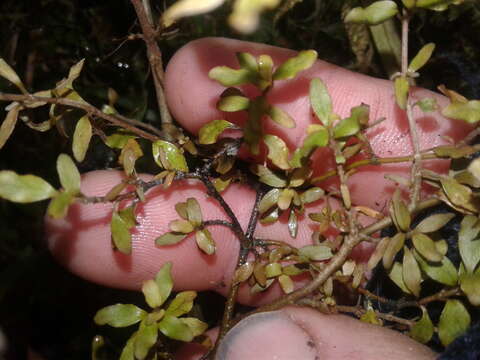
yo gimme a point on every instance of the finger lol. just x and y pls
(82, 242)
(192, 97)
(301, 333)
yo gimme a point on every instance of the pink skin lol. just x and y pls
(82, 241)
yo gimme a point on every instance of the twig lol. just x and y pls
(154, 57)
(89, 109)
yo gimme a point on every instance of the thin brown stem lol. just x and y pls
(154, 57)
(122, 122)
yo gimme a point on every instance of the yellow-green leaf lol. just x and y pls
(460, 195)
(118, 140)
(316, 252)
(81, 138)
(233, 103)
(423, 329)
(24, 188)
(281, 117)
(466, 111)
(146, 338)
(375, 14)
(320, 101)
(170, 238)
(194, 212)
(426, 247)
(293, 224)
(469, 242)
(58, 207)
(131, 151)
(197, 327)
(164, 280)
(286, 283)
(231, 77)
(434, 222)
(68, 174)
(173, 158)
(8, 124)
(8, 73)
(151, 292)
(277, 151)
(443, 272)
(470, 285)
(121, 237)
(174, 328)
(346, 127)
(181, 304)
(205, 241)
(421, 58)
(454, 321)
(396, 275)
(128, 351)
(119, 315)
(246, 13)
(269, 200)
(402, 87)
(181, 226)
(311, 195)
(313, 141)
(427, 104)
(395, 244)
(247, 61)
(273, 269)
(184, 8)
(412, 276)
(268, 177)
(290, 68)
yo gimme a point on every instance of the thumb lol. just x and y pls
(302, 333)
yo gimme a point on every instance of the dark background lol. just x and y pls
(43, 308)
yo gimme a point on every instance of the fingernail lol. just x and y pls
(269, 335)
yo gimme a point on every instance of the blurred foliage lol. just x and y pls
(42, 307)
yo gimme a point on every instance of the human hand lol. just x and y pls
(82, 240)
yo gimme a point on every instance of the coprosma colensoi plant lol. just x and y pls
(413, 256)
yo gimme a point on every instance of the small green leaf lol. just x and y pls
(233, 103)
(8, 124)
(320, 101)
(412, 276)
(434, 222)
(460, 195)
(273, 270)
(470, 285)
(194, 212)
(119, 315)
(121, 237)
(290, 68)
(286, 283)
(81, 138)
(277, 151)
(426, 247)
(146, 337)
(466, 111)
(128, 216)
(68, 174)
(402, 87)
(24, 188)
(443, 272)
(128, 352)
(313, 141)
(58, 207)
(231, 77)
(469, 242)
(118, 140)
(181, 209)
(196, 326)
(269, 200)
(311, 195)
(151, 292)
(268, 177)
(169, 238)
(205, 241)
(421, 58)
(346, 127)
(316, 252)
(164, 280)
(129, 155)
(8, 73)
(427, 104)
(265, 67)
(173, 158)
(395, 244)
(399, 212)
(174, 328)
(423, 329)
(281, 117)
(181, 226)
(285, 198)
(247, 61)
(182, 304)
(293, 224)
(454, 321)
(375, 14)
(396, 275)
